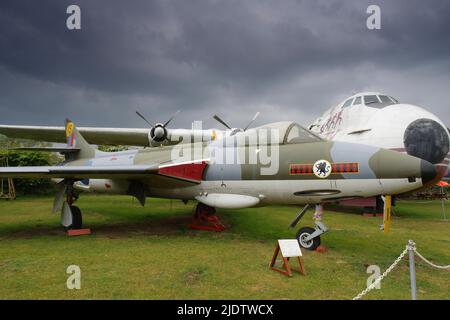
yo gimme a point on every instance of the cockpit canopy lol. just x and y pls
(283, 132)
(370, 99)
(290, 132)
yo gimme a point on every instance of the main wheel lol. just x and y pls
(304, 233)
(77, 218)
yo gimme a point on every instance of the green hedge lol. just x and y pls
(27, 158)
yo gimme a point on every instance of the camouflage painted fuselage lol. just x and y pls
(354, 171)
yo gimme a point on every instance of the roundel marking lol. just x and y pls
(322, 169)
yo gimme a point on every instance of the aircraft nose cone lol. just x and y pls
(426, 139)
(428, 172)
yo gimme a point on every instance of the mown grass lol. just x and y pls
(149, 253)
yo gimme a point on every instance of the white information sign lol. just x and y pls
(290, 248)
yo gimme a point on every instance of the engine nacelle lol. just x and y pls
(157, 135)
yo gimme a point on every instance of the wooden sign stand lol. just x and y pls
(286, 266)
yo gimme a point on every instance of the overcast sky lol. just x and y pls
(290, 60)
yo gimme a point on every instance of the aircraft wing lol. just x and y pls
(188, 172)
(99, 136)
(80, 172)
(107, 136)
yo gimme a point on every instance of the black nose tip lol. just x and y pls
(428, 171)
(426, 139)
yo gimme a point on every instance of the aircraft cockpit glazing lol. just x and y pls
(371, 100)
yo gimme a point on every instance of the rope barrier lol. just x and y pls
(429, 262)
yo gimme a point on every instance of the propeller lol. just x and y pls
(235, 130)
(158, 131)
(143, 118)
(251, 121)
(217, 118)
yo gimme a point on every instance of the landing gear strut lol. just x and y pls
(307, 237)
(71, 216)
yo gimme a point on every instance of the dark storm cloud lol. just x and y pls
(287, 59)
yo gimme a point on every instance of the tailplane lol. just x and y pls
(77, 146)
(76, 141)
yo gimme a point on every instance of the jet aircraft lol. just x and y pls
(303, 169)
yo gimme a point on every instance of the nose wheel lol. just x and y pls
(304, 238)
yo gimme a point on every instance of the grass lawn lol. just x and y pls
(149, 253)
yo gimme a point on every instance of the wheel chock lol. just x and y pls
(321, 249)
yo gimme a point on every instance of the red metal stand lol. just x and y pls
(205, 219)
(78, 232)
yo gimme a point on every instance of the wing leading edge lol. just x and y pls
(80, 172)
(191, 172)
(99, 136)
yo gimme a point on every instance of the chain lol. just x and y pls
(385, 273)
(430, 263)
(410, 246)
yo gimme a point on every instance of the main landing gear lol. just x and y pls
(307, 237)
(71, 216)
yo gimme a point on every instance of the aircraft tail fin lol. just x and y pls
(75, 140)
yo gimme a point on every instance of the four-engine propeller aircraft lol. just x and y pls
(291, 166)
(157, 135)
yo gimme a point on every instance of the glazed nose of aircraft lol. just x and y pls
(426, 139)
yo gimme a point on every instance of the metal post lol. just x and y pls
(387, 213)
(443, 203)
(412, 269)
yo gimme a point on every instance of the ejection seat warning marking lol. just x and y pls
(336, 168)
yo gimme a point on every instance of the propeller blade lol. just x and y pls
(171, 118)
(216, 117)
(254, 118)
(143, 118)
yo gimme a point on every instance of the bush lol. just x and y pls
(111, 148)
(31, 186)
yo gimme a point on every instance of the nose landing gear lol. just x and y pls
(307, 237)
